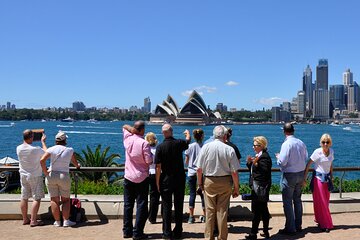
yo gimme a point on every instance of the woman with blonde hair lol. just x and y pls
(321, 185)
(260, 183)
(150, 137)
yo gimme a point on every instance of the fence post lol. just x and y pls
(340, 185)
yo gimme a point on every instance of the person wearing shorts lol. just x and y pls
(32, 182)
(58, 179)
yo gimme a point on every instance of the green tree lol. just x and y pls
(98, 158)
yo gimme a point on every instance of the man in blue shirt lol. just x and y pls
(292, 161)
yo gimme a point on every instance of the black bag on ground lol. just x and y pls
(77, 214)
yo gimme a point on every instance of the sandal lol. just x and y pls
(36, 224)
(26, 222)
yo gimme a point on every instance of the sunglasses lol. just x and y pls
(327, 142)
(256, 145)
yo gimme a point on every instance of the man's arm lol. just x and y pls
(235, 178)
(43, 139)
(200, 180)
(43, 163)
(157, 176)
(130, 129)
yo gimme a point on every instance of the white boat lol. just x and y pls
(68, 119)
(347, 128)
(92, 120)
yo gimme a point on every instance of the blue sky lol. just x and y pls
(245, 54)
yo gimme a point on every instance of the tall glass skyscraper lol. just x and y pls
(308, 87)
(348, 78)
(322, 78)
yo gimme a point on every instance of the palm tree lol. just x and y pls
(98, 159)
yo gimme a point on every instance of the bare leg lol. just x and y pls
(24, 210)
(34, 210)
(191, 212)
(65, 208)
(55, 208)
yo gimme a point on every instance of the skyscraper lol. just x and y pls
(308, 87)
(147, 105)
(348, 77)
(301, 102)
(337, 97)
(322, 75)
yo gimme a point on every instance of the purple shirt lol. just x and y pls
(137, 157)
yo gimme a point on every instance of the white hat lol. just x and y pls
(61, 136)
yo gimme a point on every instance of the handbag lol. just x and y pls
(260, 191)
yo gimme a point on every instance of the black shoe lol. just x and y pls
(265, 234)
(128, 235)
(325, 230)
(165, 237)
(299, 230)
(143, 236)
(251, 236)
(286, 232)
(177, 236)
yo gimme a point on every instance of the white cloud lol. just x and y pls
(232, 83)
(273, 101)
(200, 90)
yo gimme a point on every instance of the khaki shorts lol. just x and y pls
(32, 187)
(58, 184)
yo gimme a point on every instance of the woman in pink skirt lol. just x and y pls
(322, 182)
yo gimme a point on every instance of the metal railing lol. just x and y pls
(121, 169)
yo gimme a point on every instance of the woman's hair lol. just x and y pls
(262, 141)
(198, 134)
(326, 137)
(60, 142)
(151, 139)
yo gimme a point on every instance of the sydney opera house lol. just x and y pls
(193, 112)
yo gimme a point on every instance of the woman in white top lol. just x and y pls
(322, 181)
(58, 178)
(190, 156)
(154, 193)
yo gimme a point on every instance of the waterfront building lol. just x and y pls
(147, 105)
(353, 103)
(337, 97)
(308, 87)
(280, 115)
(78, 106)
(301, 102)
(286, 106)
(321, 104)
(193, 112)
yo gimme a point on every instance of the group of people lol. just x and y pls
(213, 174)
(32, 166)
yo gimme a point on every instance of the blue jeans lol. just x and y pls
(192, 185)
(139, 192)
(291, 184)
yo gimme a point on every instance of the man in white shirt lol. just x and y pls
(31, 179)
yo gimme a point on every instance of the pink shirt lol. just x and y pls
(137, 157)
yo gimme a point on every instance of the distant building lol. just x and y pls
(337, 97)
(8, 105)
(13, 107)
(134, 109)
(232, 109)
(321, 104)
(322, 78)
(78, 106)
(280, 115)
(308, 87)
(193, 112)
(301, 102)
(147, 105)
(219, 107)
(353, 98)
(348, 77)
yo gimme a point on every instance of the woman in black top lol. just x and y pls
(260, 181)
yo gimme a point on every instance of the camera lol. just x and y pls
(37, 133)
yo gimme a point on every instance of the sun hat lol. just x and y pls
(61, 136)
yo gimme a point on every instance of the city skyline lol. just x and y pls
(246, 55)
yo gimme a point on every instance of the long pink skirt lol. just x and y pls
(321, 198)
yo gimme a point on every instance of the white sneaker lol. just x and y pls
(57, 224)
(68, 223)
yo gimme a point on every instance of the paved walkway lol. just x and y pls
(347, 226)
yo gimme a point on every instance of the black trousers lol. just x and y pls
(169, 186)
(261, 212)
(154, 198)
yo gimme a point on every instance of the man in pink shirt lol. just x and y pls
(136, 187)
